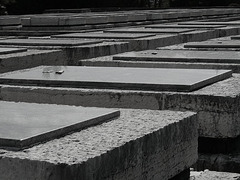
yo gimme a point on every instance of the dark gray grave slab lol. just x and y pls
(25, 124)
(116, 78)
(236, 23)
(104, 35)
(236, 37)
(47, 42)
(11, 50)
(145, 30)
(183, 26)
(214, 44)
(181, 56)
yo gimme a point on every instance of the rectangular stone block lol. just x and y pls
(103, 35)
(236, 37)
(181, 56)
(11, 50)
(161, 143)
(184, 26)
(236, 23)
(24, 124)
(9, 20)
(145, 30)
(214, 44)
(117, 78)
(47, 42)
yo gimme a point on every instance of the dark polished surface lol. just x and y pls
(116, 78)
(24, 124)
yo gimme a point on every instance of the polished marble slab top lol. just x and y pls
(183, 26)
(11, 50)
(236, 37)
(25, 124)
(156, 79)
(211, 23)
(104, 35)
(47, 42)
(214, 44)
(148, 30)
(181, 56)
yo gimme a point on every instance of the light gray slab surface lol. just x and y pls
(236, 37)
(11, 50)
(210, 23)
(47, 42)
(214, 44)
(183, 26)
(24, 124)
(117, 78)
(181, 56)
(104, 35)
(148, 30)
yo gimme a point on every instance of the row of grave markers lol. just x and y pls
(21, 129)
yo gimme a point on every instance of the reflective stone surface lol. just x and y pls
(11, 50)
(183, 26)
(214, 44)
(181, 56)
(104, 35)
(211, 23)
(117, 78)
(47, 42)
(24, 124)
(236, 37)
(148, 30)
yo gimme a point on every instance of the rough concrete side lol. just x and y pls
(217, 104)
(31, 58)
(141, 144)
(219, 162)
(90, 51)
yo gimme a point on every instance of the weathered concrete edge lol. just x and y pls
(130, 160)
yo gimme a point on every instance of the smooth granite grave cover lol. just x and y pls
(47, 42)
(183, 26)
(211, 23)
(157, 79)
(181, 56)
(103, 35)
(11, 50)
(25, 124)
(236, 37)
(145, 30)
(214, 44)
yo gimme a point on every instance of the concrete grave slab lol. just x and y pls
(162, 143)
(236, 37)
(181, 56)
(9, 20)
(183, 26)
(214, 44)
(25, 124)
(11, 50)
(145, 30)
(236, 23)
(117, 78)
(103, 35)
(47, 42)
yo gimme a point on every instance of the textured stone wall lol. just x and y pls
(140, 145)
